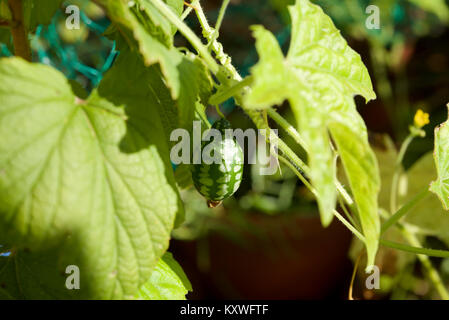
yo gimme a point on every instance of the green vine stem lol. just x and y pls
(187, 33)
(349, 226)
(298, 173)
(186, 12)
(286, 151)
(210, 34)
(297, 137)
(217, 108)
(336, 213)
(19, 33)
(404, 210)
(348, 214)
(222, 96)
(221, 14)
(425, 261)
(287, 127)
(398, 171)
(417, 249)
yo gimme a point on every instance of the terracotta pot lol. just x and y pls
(275, 257)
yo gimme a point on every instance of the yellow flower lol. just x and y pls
(421, 118)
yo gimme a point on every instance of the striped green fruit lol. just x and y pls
(221, 178)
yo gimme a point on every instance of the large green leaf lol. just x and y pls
(91, 176)
(320, 76)
(185, 74)
(274, 82)
(363, 174)
(150, 46)
(427, 216)
(168, 281)
(195, 86)
(441, 153)
(173, 114)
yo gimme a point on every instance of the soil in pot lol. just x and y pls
(287, 256)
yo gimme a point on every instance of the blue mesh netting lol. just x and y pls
(65, 57)
(78, 60)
